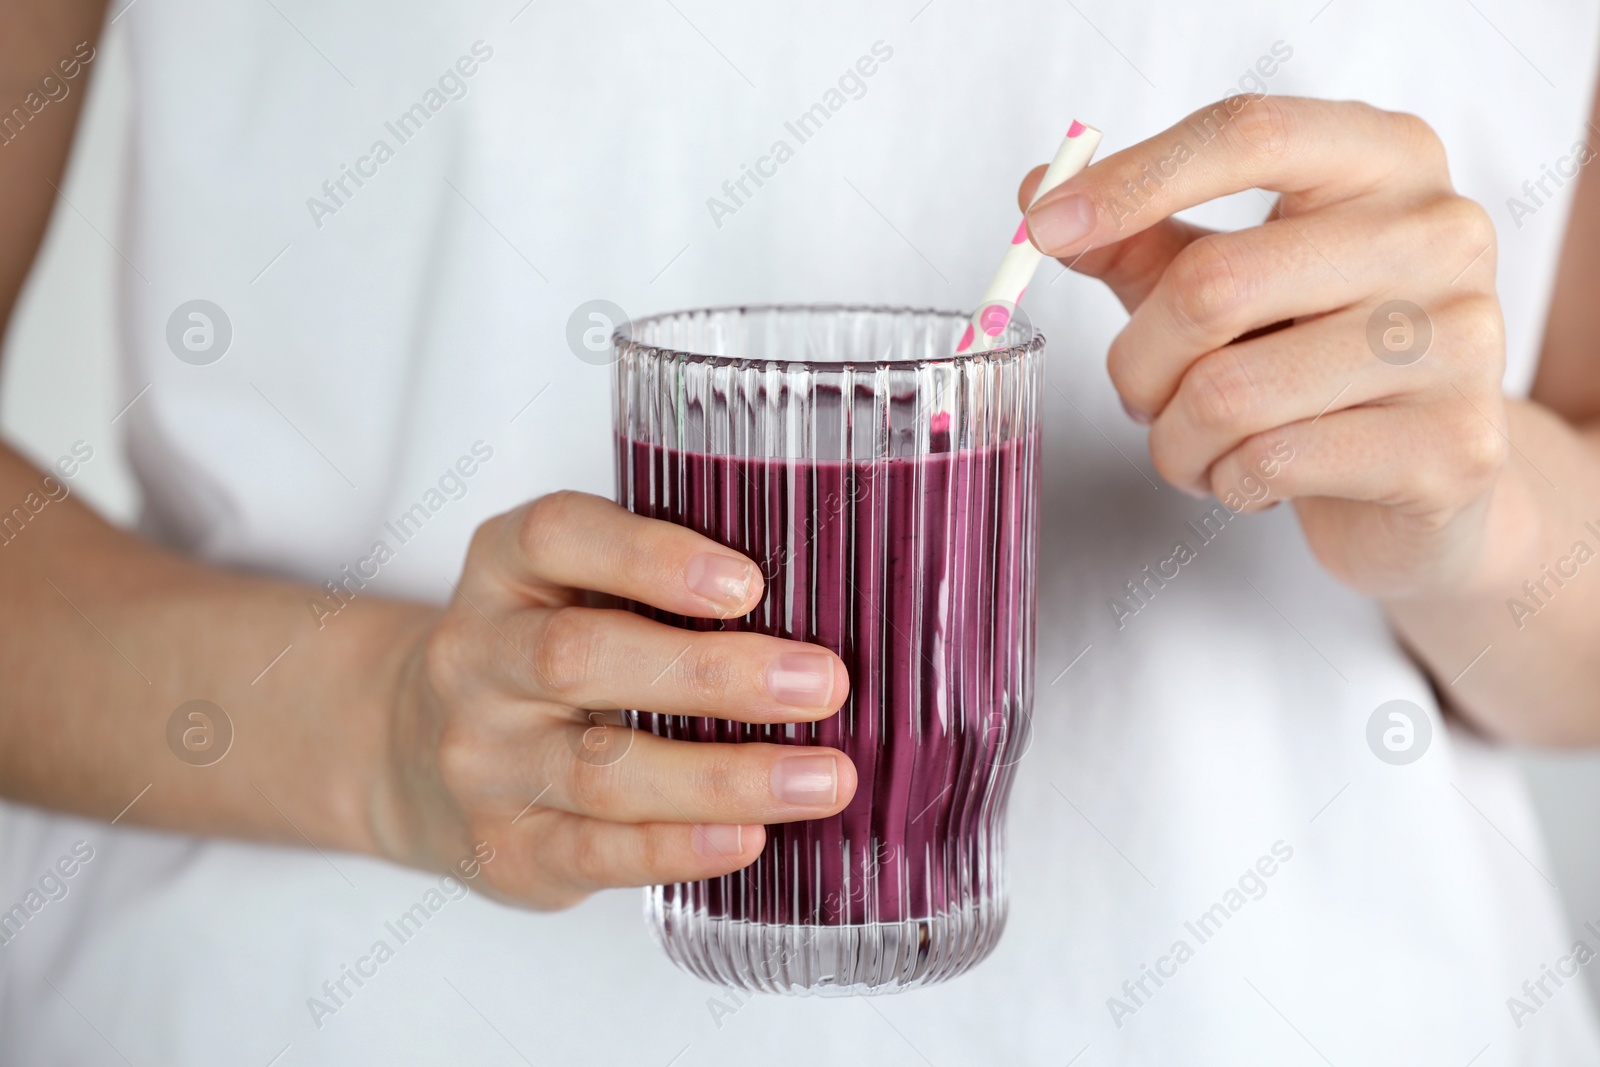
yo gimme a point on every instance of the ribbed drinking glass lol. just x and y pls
(889, 492)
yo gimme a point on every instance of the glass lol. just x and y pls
(889, 492)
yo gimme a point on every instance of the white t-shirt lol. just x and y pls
(563, 153)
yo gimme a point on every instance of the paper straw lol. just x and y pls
(1022, 259)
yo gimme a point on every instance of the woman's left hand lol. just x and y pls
(1377, 409)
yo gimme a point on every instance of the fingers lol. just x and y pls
(1247, 388)
(621, 775)
(1132, 266)
(1312, 370)
(602, 658)
(1420, 458)
(1243, 389)
(663, 780)
(577, 855)
(1227, 284)
(577, 541)
(1316, 152)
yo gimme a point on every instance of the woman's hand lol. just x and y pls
(1388, 440)
(499, 735)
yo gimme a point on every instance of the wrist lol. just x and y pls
(402, 790)
(382, 641)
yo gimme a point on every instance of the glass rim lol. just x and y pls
(623, 341)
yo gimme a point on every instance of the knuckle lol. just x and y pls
(659, 854)
(589, 860)
(1479, 328)
(1472, 453)
(1270, 472)
(444, 656)
(463, 761)
(1434, 511)
(1263, 125)
(1218, 391)
(1464, 225)
(1481, 453)
(589, 787)
(1476, 223)
(1169, 461)
(1238, 473)
(1123, 366)
(646, 560)
(566, 651)
(1209, 289)
(542, 523)
(1117, 362)
(718, 781)
(709, 673)
(1422, 144)
(481, 546)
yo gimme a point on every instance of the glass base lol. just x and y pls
(865, 959)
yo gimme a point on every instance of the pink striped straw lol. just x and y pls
(1022, 259)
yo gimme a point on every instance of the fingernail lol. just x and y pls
(1056, 224)
(1135, 414)
(804, 679)
(809, 780)
(722, 579)
(716, 839)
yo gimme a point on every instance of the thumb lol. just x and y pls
(1131, 267)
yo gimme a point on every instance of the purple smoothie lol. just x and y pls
(916, 572)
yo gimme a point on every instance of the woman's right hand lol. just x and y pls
(506, 730)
